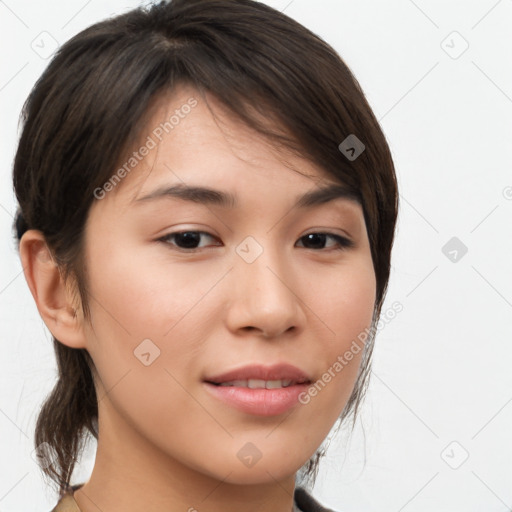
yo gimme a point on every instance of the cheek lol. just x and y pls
(353, 303)
(143, 313)
(345, 305)
(144, 309)
(143, 296)
(344, 300)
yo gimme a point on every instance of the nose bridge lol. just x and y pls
(263, 297)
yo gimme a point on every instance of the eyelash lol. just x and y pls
(343, 242)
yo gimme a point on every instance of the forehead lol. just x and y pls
(185, 137)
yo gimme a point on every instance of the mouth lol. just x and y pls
(260, 383)
(258, 376)
(259, 390)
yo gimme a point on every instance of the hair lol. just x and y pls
(88, 105)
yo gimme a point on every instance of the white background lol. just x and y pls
(442, 366)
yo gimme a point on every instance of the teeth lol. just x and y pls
(255, 383)
(238, 383)
(274, 384)
(258, 383)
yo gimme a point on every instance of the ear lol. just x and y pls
(53, 296)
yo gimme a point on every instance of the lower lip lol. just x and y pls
(262, 402)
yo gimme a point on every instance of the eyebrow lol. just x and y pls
(205, 195)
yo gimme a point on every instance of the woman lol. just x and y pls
(206, 214)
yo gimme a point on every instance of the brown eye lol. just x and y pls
(318, 241)
(185, 239)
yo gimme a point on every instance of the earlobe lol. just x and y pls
(53, 298)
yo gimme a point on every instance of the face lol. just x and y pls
(185, 288)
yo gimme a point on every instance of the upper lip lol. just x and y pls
(255, 371)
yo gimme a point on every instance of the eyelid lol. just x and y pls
(343, 242)
(165, 238)
(328, 231)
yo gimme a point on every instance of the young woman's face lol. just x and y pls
(260, 282)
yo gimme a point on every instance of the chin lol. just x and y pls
(258, 476)
(277, 467)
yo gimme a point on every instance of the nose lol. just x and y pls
(264, 297)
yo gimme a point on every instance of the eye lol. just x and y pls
(317, 241)
(185, 239)
(190, 240)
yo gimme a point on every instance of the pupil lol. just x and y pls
(318, 237)
(187, 239)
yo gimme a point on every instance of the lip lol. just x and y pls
(281, 371)
(260, 401)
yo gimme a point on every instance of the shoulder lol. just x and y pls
(306, 503)
(67, 503)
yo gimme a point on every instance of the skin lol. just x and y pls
(163, 438)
